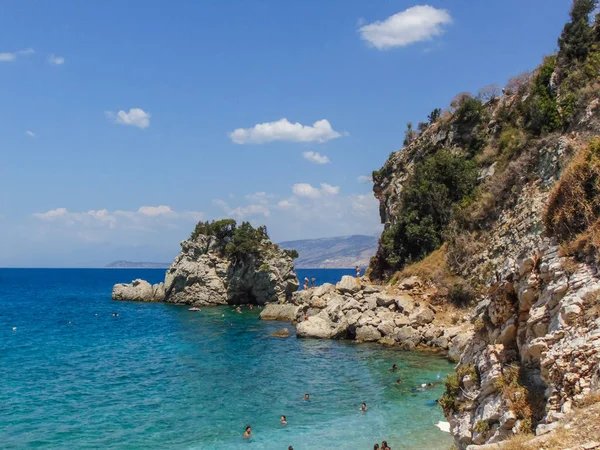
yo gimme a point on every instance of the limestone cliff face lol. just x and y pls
(203, 274)
(535, 353)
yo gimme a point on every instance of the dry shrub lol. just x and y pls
(516, 395)
(574, 205)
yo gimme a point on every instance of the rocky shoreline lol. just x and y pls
(400, 315)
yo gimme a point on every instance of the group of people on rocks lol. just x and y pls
(310, 283)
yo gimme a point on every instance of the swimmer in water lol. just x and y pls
(376, 447)
(306, 397)
(384, 446)
(398, 381)
(283, 420)
(394, 367)
(290, 448)
(247, 432)
(238, 309)
(363, 407)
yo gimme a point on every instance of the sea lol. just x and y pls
(157, 376)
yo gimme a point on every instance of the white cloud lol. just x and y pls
(284, 130)
(418, 23)
(11, 56)
(30, 133)
(52, 214)
(306, 190)
(145, 217)
(365, 179)
(57, 60)
(311, 212)
(153, 211)
(135, 117)
(254, 209)
(316, 158)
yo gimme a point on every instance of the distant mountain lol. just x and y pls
(335, 252)
(136, 265)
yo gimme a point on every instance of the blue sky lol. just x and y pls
(122, 123)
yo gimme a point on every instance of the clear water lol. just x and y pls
(160, 376)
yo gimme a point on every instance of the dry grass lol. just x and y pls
(432, 269)
(573, 210)
(580, 428)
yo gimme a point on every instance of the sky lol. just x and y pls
(124, 123)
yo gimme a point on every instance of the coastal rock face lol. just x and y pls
(139, 291)
(206, 272)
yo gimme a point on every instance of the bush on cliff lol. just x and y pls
(238, 242)
(437, 184)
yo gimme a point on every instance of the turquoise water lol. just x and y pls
(159, 376)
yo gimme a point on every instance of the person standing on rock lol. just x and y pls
(305, 282)
(313, 281)
(357, 272)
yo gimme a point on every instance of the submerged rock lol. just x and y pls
(283, 333)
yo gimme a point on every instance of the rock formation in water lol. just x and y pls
(222, 263)
(498, 201)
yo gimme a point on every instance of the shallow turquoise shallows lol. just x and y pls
(159, 376)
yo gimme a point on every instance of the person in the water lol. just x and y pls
(306, 397)
(384, 446)
(394, 367)
(398, 381)
(376, 447)
(363, 407)
(283, 420)
(247, 432)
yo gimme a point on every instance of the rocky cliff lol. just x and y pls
(220, 264)
(509, 183)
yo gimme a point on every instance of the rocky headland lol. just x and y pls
(496, 201)
(221, 264)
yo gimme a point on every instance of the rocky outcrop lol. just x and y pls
(275, 311)
(353, 309)
(204, 273)
(139, 291)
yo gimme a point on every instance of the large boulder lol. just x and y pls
(139, 291)
(348, 284)
(322, 327)
(275, 311)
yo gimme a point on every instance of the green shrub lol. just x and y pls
(437, 184)
(539, 110)
(292, 253)
(449, 400)
(221, 229)
(482, 426)
(577, 35)
(434, 115)
(264, 268)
